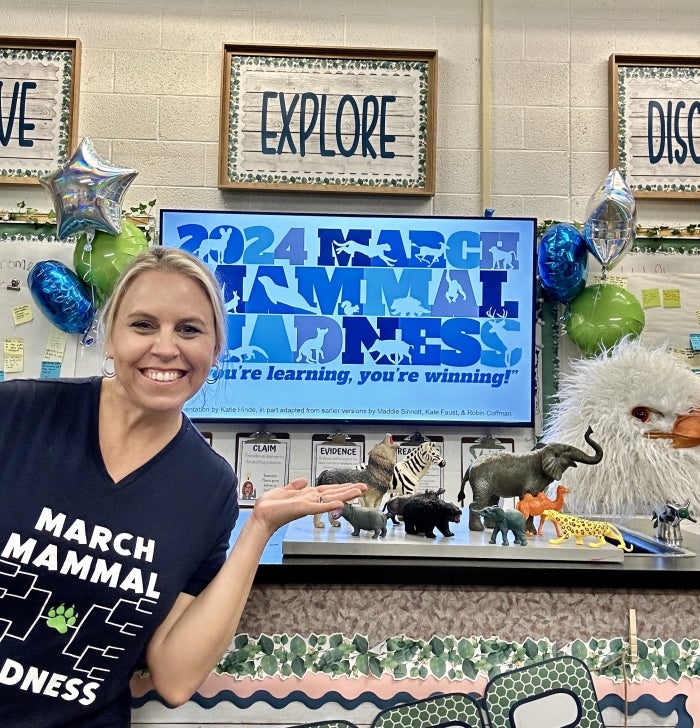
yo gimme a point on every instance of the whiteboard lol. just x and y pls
(667, 284)
(17, 256)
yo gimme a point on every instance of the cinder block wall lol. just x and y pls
(151, 72)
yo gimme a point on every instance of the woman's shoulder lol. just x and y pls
(49, 388)
(204, 451)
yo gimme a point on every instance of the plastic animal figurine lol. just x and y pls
(394, 507)
(644, 404)
(364, 519)
(424, 514)
(505, 520)
(409, 471)
(536, 505)
(377, 475)
(668, 522)
(512, 475)
(580, 527)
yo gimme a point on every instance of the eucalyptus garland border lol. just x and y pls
(450, 657)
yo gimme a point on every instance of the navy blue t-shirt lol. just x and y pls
(89, 568)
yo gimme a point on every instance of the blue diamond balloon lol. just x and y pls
(562, 262)
(87, 192)
(61, 296)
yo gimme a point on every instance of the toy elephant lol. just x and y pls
(511, 475)
(364, 519)
(505, 520)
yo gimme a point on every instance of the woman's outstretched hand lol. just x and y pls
(277, 507)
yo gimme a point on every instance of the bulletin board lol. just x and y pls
(666, 281)
(30, 346)
(668, 287)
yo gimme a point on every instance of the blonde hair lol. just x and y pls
(168, 260)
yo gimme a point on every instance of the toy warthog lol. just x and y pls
(395, 506)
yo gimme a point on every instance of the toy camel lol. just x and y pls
(580, 527)
(536, 505)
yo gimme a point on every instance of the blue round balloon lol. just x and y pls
(61, 296)
(562, 262)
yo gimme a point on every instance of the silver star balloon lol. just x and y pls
(611, 218)
(87, 193)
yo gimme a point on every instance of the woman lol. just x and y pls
(116, 513)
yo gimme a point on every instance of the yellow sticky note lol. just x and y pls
(22, 314)
(14, 346)
(55, 347)
(14, 356)
(672, 298)
(651, 298)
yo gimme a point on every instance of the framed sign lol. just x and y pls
(38, 106)
(328, 119)
(655, 124)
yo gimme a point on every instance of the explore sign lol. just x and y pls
(328, 120)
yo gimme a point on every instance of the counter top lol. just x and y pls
(640, 571)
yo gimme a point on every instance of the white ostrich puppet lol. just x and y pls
(644, 407)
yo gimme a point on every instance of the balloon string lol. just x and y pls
(90, 334)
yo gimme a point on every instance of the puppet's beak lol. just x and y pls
(685, 432)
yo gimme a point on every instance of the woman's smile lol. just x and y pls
(161, 376)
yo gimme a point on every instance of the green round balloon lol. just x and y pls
(601, 315)
(99, 264)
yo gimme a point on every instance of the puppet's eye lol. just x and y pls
(641, 413)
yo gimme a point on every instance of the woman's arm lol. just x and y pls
(198, 630)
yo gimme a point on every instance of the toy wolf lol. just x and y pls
(377, 475)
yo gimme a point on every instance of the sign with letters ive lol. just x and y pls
(655, 124)
(328, 119)
(38, 106)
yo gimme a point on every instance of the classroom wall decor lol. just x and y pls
(328, 119)
(654, 112)
(39, 81)
(294, 680)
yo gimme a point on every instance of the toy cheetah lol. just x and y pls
(580, 527)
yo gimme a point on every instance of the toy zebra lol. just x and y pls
(409, 471)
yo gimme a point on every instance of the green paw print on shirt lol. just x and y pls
(61, 618)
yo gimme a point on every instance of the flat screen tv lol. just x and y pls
(368, 318)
